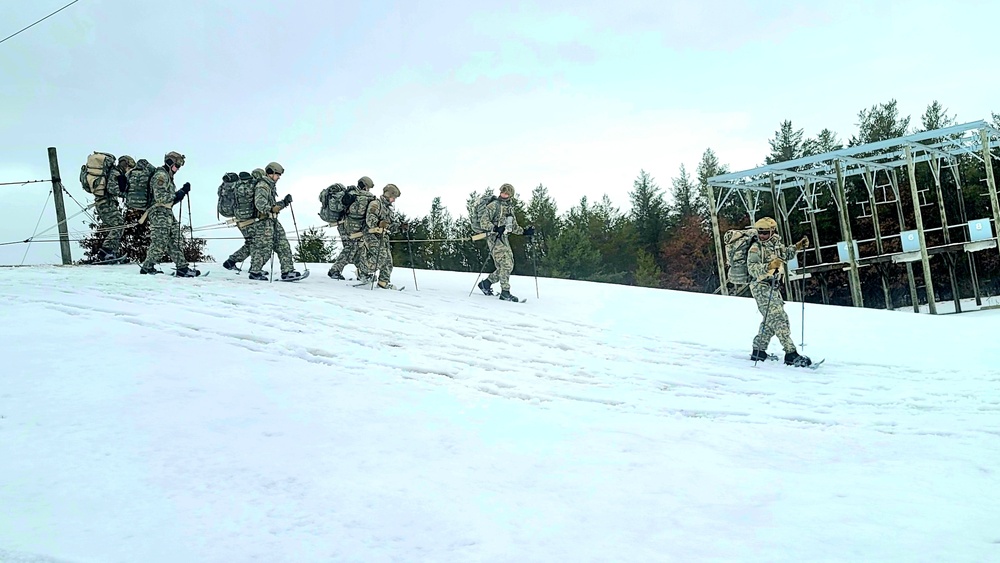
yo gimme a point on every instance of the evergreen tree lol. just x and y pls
(573, 254)
(786, 144)
(544, 216)
(687, 198)
(880, 123)
(825, 142)
(647, 273)
(649, 212)
(731, 212)
(440, 250)
(936, 117)
(314, 247)
(135, 241)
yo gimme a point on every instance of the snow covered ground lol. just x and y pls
(149, 419)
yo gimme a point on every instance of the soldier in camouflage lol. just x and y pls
(351, 227)
(267, 235)
(109, 210)
(765, 263)
(164, 234)
(498, 222)
(375, 254)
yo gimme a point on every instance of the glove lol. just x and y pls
(774, 266)
(528, 231)
(499, 229)
(122, 184)
(348, 199)
(803, 243)
(186, 188)
(276, 209)
(179, 194)
(383, 224)
(288, 200)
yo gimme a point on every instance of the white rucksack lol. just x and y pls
(94, 174)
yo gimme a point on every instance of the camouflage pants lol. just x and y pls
(164, 238)
(375, 254)
(777, 318)
(348, 254)
(503, 257)
(244, 252)
(111, 219)
(268, 236)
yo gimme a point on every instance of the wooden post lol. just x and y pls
(845, 230)
(720, 262)
(914, 300)
(991, 183)
(57, 197)
(869, 178)
(956, 295)
(964, 217)
(918, 217)
(814, 229)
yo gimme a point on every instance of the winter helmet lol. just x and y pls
(765, 227)
(274, 168)
(390, 190)
(365, 183)
(173, 158)
(507, 189)
(126, 162)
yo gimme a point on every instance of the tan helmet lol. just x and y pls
(173, 157)
(507, 189)
(365, 183)
(274, 168)
(765, 227)
(390, 190)
(126, 162)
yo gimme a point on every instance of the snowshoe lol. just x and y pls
(153, 270)
(797, 360)
(258, 276)
(187, 272)
(386, 285)
(486, 286)
(759, 356)
(506, 296)
(335, 275)
(230, 264)
(294, 276)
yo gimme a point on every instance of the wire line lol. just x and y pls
(39, 21)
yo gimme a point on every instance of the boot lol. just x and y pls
(187, 272)
(229, 264)
(335, 275)
(793, 358)
(150, 270)
(258, 276)
(106, 255)
(758, 355)
(290, 276)
(386, 285)
(506, 296)
(486, 286)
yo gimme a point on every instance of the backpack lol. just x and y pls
(738, 243)
(139, 195)
(359, 209)
(478, 209)
(94, 174)
(331, 202)
(227, 196)
(236, 196)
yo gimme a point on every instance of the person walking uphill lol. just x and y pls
(268, 234)
(765, 263)
(351, 227)
(110, 211)
(498, 222)
(375, 254)
(164, 234)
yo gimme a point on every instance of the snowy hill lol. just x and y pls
(223, 420)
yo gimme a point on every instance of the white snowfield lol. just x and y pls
(154, 419)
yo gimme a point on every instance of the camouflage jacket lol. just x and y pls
(499, 212)
(354, 216)
(380, 210)
(762, 252)
(265, 197)
(163, 187)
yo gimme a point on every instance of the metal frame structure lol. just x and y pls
(805, 178)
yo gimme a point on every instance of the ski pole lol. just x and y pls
(296, 225)
(409, 244)
(274, 243)
(191, 228)
(802, 342)
(489, 252)
(534, 261)
(763, 325)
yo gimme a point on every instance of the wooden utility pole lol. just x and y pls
(845, 230)
(720, 263)
(57, 197)
(919, 219)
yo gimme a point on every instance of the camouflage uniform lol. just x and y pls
(758, 257)
(244, 252)
(164, 234)
(500, 212)
(267, 235)
(351, 229)
(110, 213)
(375, 253)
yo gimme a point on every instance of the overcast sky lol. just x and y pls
(442, 98)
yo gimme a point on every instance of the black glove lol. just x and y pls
(348, 199)
(122, 184)
(288, 200)
(186, 187)
(179, 194)
(499, 229)
(528, 231)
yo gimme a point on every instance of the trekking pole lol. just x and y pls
(802, 291)
(296, 225)
(190, 228)
(409, 244)
(767, 310)
(489, 252)
(274, 243)
(534, 262)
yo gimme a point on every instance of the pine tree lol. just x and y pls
(936, 117)
(314, 247)
(647, 273)
(880, 123)
(826, 141)
(649, 212)
(687, 198)
(786, 144)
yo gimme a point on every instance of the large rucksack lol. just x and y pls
(94, 174)
(236, 196)
(738, 243)
(478, 209)
(359, 208)
(332, 208)
(139, 195)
